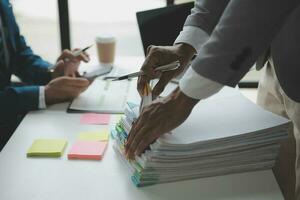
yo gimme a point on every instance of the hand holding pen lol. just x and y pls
(161, 55)
(69, 61)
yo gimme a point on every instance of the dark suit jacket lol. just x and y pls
(242, 30)
(30, 68)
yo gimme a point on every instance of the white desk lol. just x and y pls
(23, 178)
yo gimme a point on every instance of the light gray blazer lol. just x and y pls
(241, 31)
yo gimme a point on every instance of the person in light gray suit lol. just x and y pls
(229, 36)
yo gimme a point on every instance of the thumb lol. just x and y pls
(60, 64)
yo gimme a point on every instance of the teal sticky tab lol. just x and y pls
(135, 181)
(132, 105)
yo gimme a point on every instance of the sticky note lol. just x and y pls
(90, 150)
(93, 118)
(94, 136)
(47, 148)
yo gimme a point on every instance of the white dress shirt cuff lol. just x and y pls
(193, 36)
(42, 102)
(196, 86)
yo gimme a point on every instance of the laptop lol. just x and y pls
(161, 26)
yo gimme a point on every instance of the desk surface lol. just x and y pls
(61, 179)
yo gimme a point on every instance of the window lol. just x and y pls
(38, 22)
(91, 18)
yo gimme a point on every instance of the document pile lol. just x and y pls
(224, 134)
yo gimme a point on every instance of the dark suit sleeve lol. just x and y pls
(18, 100)
(30, 67)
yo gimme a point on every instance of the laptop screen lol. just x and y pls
(162, 26)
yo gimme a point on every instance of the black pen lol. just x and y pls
(164, 68)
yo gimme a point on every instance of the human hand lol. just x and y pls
(67, 64)
(156, 119)
(162, 55)
(64, 88)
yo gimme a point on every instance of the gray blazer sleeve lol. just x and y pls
(201, 22)
(245, 29)
(206, 14)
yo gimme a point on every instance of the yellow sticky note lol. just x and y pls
(47, 148)
(94, 136)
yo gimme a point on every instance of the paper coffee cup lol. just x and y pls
(106, 47)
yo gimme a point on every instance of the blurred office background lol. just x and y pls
(39, 23)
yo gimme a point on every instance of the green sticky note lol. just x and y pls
(94, 136)
(47, 148)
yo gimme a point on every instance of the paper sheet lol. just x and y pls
(105, 97)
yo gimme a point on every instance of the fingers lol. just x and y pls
(132, 139)
(139, 130)
(68, 55)
(133, 131)
(83, 56)
(65, 81)
(76, 86)
(161, 84)
(141, 136)
(135, 142)
(64, 88)
(149, 65)
(76, 82)
(142, 81)
(144, 143)
(148, 68)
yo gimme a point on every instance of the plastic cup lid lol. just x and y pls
(105, 39)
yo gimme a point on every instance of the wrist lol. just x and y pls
(185, 50)
(181, 100)
(48, 95)
(55, 74)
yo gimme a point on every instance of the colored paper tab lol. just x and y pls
(94, 136)
(89, 150)
(93, 118)
(47, 148)
(118, 117)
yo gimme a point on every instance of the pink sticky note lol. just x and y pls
(93, 118)
(90, 150)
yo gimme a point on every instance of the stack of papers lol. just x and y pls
(224, 134)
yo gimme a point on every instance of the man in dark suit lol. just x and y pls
(229, 36)
(40, 86)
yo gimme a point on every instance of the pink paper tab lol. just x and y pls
(93, 118)
(88, 150)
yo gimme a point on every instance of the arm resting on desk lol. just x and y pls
(14, 101)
